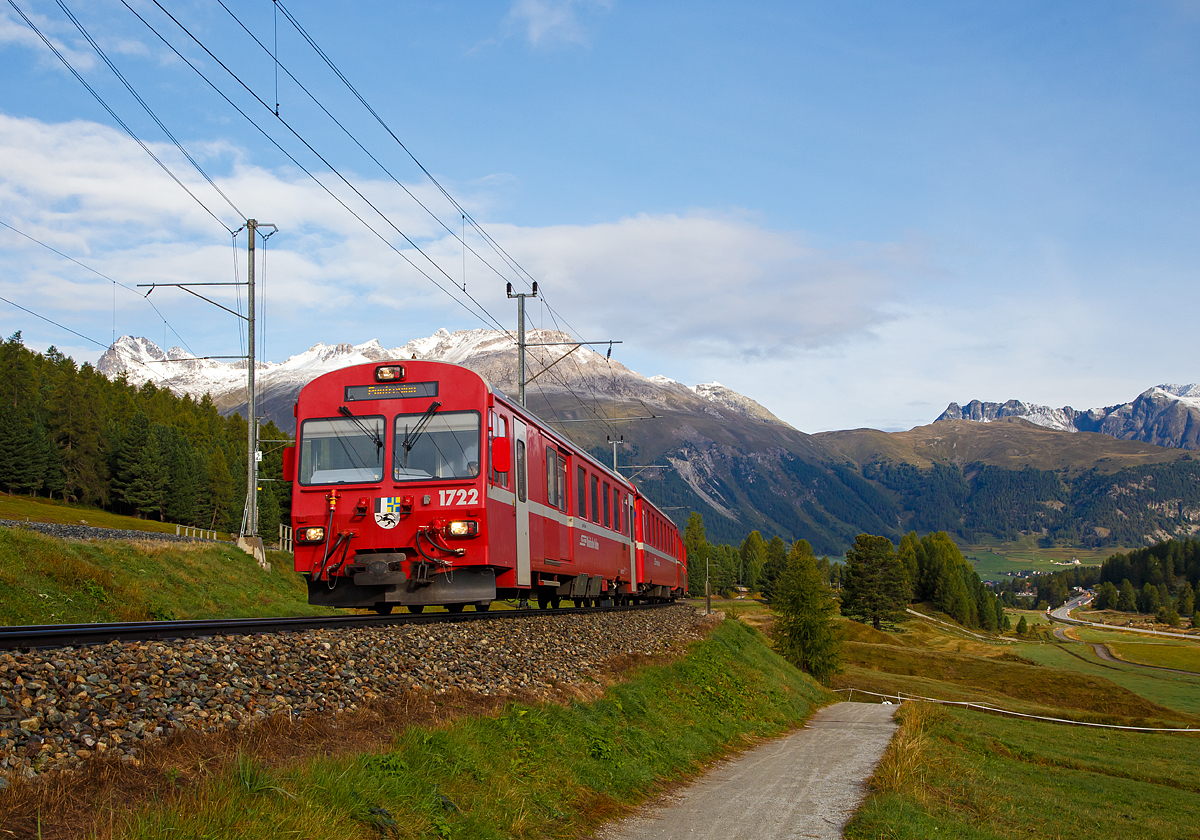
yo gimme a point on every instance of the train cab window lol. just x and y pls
(607, 509)
(499, 429)
(341, 450)
(596, 500)
(437, 445)
(551, 477)
(521, 470)
(562, 482)
(581, 493)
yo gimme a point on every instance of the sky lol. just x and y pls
(854, 213)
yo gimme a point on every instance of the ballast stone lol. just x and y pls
(114, 698)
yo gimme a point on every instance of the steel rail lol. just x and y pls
(74, 635)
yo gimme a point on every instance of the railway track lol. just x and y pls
(73, 635)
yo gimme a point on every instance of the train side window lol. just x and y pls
(607, 509)
(562, 482)
(551, 477)
(617, 509)
(521, 470)
(500, 430)
(581, 493)
(596, 500)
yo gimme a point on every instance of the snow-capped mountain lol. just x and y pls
(1165, 415)
(558, 368)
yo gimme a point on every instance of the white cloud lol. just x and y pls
(699, 284)
(553, 22)
(705, 284)
(16, 32)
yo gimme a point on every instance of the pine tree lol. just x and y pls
(805, 632)
(1022, 626)
(1185, 602)
(147, 491)
(773, 567)
(1149, 600)
(875, 583)
(754, 556)
(696, 545)
(268, 514)
(1126, 597)
(220, 491)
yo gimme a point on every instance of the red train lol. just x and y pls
(416, 484)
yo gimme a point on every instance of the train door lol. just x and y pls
(521, 467)
(631, 543)
(550, 535)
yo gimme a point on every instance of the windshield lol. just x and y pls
(341, 451)
(447, 447)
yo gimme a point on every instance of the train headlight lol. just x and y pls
(389, 373)
(462, 528)
(310, 535)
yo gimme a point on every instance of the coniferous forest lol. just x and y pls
(70, 433)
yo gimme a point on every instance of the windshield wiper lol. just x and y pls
(373, 435)
(411, 437)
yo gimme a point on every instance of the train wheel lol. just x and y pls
(483, 606)
(579, 602)
(543, 601)
(455, 608)
(383, 609)
(416, 608)
(554, 602)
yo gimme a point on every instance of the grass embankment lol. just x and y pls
(35, 509)
(525, 769)
(44, 580)
(957, 773)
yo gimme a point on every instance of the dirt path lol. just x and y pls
(1104, 653)
(803, 786)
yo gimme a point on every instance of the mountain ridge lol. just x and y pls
(1165, 415)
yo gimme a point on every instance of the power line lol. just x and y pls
(113, 114)
(148, 109)
(524, 275)
(511, 262)
(320, 157)
(279, 65)
(105, 276)
(55, 323)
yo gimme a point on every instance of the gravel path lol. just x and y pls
(89, 532)
(60, 707)
(805, 785)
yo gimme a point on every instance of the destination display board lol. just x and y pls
(391, 391)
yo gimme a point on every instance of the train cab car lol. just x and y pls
(416, 484)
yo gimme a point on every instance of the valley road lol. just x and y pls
(803, 786)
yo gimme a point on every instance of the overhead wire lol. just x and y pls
(50, 45)
(104, 276)
(326, 162)
(363, 148)
(146, 106)
(524, 275)
(55, 323)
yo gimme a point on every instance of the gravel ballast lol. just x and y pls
(90, 532)
(60, 707)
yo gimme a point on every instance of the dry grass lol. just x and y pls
(902, 768)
